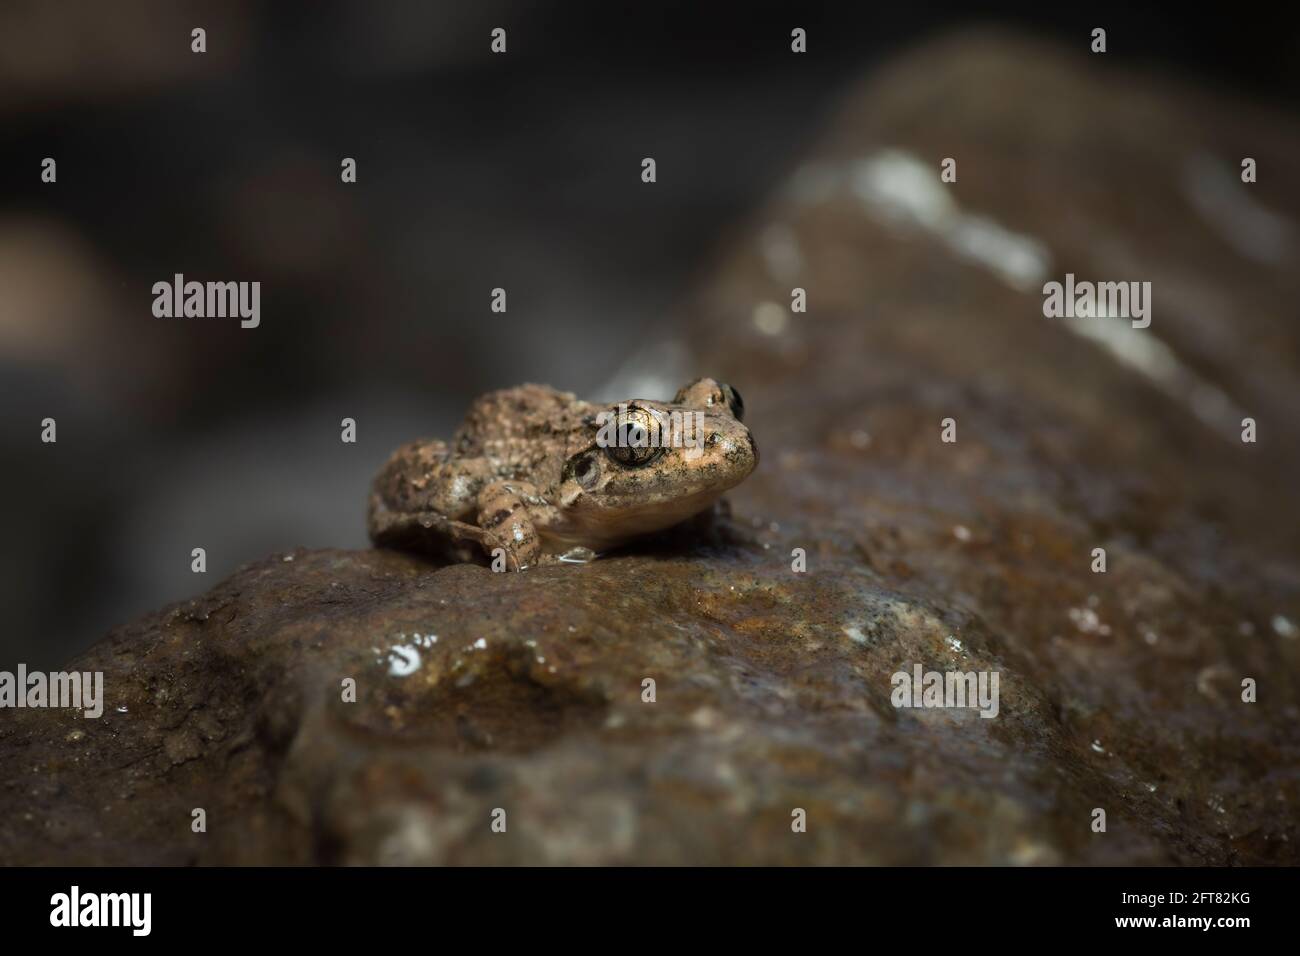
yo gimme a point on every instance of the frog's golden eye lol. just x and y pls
(634, 441)
(633, 444)
(633, 455)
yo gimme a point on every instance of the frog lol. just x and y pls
(535, 475)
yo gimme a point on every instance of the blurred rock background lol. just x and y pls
(474, 172)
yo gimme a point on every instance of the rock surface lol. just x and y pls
(1121, 691)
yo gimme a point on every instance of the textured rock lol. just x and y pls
(1118, 690)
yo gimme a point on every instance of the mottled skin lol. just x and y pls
(524, 473)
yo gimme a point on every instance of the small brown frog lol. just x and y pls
(543, 476)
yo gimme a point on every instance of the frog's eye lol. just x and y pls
(633, 455)
(708, 393)
(633, 442)
(633, 445)
(734, 402)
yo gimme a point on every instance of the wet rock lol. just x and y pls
(524, 693)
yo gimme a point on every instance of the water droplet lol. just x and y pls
(855, 634)
(403, 661)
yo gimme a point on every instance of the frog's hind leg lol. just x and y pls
(429, 532)
(424, 476)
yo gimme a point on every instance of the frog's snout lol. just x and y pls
(736, 447)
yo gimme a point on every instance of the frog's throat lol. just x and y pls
(592, 525)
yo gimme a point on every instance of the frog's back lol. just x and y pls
(526, 431)
(523, 412)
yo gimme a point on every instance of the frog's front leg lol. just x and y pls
(505, 512)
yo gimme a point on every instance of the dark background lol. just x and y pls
(474, 171)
